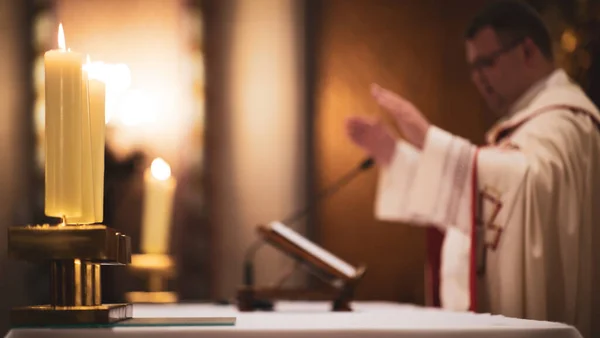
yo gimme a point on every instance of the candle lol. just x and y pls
(159, 188)
(92, 140)
(97, 95)
(86, 215)
(97, 90)
(63, 86)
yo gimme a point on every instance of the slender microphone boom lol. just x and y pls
(340, 183)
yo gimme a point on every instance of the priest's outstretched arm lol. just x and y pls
(436, 178)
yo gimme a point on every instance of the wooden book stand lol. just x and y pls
(340, 276)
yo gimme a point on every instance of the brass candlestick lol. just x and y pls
(75, 254)
(157, 269)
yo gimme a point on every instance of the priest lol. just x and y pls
(519, 215)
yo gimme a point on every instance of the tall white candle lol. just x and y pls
(87, 187)
(98, 116)
(97, 104)
(159, 189)
(63, 86)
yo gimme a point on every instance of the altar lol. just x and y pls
(313, 319)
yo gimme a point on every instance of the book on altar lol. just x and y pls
(306, 251)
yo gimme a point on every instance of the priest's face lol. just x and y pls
(496, 69)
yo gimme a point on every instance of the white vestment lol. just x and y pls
(521, 216)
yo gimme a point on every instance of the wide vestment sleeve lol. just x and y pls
(427, 187)
(436, 185)
(395, 183)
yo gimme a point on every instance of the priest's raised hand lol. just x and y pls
(375, 138)
(409, 120)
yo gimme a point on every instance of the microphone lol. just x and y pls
(294, 217)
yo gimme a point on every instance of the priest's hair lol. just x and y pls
(513, 21)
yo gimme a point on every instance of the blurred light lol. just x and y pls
(568, 41)
(136, 108)
(116, 77)
(160, 169)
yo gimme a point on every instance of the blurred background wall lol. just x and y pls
(15, 151)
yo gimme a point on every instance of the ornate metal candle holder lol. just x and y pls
(75, 254)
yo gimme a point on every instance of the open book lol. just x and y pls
(297, 245)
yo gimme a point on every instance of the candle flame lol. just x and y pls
(62, 45)
(160, 169)
(88, 59)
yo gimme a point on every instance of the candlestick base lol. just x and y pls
(157, 269)
(48, 315)
(75, 254)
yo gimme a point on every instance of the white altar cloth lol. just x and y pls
(300, 320)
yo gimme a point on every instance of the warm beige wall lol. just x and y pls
(256, 130)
